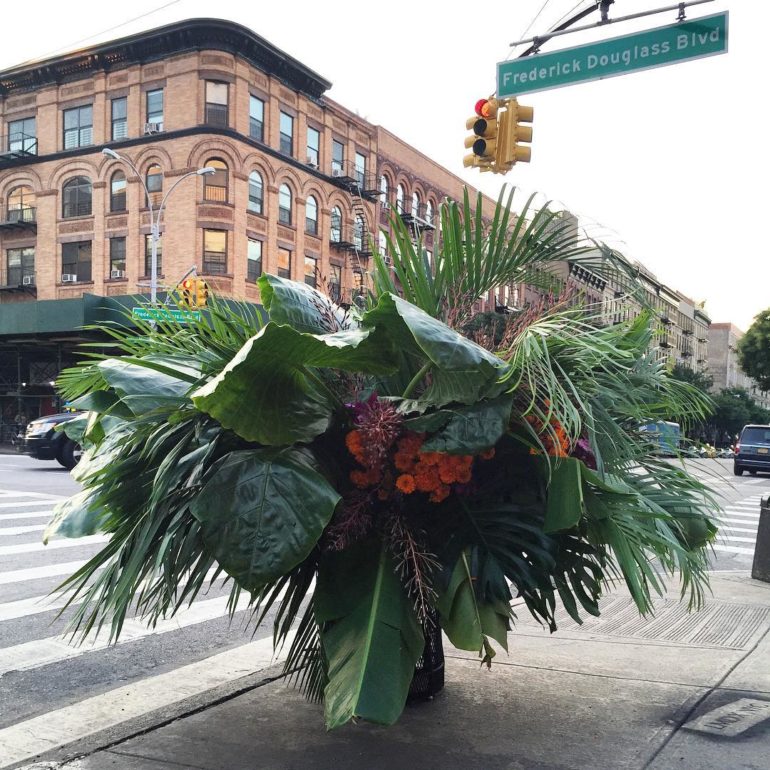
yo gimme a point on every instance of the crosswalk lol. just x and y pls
(43, 677)
(738, 526)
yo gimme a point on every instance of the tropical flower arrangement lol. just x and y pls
(369, 472)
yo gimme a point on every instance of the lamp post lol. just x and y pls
(155, 214)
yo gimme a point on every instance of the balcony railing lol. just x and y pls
(17, 145)
(352, 238)
(18, 218)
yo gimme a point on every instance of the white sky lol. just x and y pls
(666, 165)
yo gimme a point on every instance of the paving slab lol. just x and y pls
(510, 718)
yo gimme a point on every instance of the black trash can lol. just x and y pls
(760, 569)
(428, 676)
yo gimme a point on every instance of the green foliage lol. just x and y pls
(754, 350)
(734, 408)
(701, 380)
(219, 448)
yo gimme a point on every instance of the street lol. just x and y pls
(41, 673)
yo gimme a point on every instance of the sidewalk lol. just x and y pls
(619, 692)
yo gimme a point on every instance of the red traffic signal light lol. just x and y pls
(483, 141)
(188, 291)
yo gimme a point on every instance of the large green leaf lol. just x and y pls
(466, 621)
(78, 516)
(142, 388)
(474, 428)
(565, 495)
(460, 369)
(262, 512)
(269, 394)
(371, 638)
(297, 304)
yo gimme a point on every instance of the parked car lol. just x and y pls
(43, 442)
(752, 452)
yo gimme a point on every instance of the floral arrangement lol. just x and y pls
(370, 472)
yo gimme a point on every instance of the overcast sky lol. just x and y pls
(666, 165)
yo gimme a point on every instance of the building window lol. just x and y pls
(384, 190)
(215, 185)
(400, 195)
(335, 234)
(22, 136)
(76, 260)
(284, 263)
(360, 169)
(120, 118)
(21, 265)
(311, 215)
(154, 182)
(215, 251)
(21, 205)
(154, 110)
(118, 192)
(148, 255)
(383, 239)
(284, 204)
(117, 257)
(76, 197)
(358, 233)
(338, 157)
(311, 267)
(256, 189)
(253, 259)
(429, 212)
(335, 282)
(78, 127)
(287, 134)
(313, 145)
(216, 103)
(415, 204)
(256, 118)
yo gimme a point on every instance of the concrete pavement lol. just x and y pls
(675, 691)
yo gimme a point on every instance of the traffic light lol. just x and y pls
(201, 293)
(512, 134)
(188, 292)
(483, 140)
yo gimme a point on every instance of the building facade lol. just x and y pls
(296, 185)
(724, 366)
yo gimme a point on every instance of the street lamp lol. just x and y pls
(155, 214)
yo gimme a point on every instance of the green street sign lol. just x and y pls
(658, 47)
(165, 314)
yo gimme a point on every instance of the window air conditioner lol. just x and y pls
(117, 273)
(311, 162)
(152, 128)
(336, 172)
(69, 278)
(28, 280)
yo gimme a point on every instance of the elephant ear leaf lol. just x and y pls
(300, 306)
(262, 512)
(371, 637)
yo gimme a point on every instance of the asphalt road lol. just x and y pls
(41, 673)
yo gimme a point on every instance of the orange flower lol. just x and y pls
(403, 461)
(405, 483)
(360, 479)
(488, 454)
(426, 481)
(447, 473)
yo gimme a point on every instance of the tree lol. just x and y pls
(735, 408)
(700, 380)
(754, 350)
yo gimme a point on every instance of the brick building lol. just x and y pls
(724, 366)
(299, 185)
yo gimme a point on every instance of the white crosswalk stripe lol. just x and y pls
(738, 526)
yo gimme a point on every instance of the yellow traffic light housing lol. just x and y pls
(513, 135)
(187, 292)
(201, 293)
(484, 140)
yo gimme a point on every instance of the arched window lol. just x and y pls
(311, 215)
(118, 192)
(284, 204)
(215, 185)
(256, 194)
(415, 204)
(21, 204)
(76, 197)
(400, 195)
(384, 191)
(335, 234)
(429, 212)
(154, 183)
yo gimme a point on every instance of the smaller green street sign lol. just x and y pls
(165, 314)
(658, 47)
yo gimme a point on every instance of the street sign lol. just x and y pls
(165, 314)
(658, 47)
